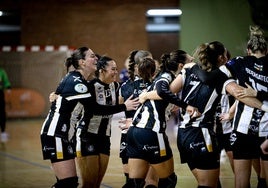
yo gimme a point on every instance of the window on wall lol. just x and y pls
(163, 30)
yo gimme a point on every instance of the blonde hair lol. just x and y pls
(208, 53)
(256, 40)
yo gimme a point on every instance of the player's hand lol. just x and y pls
(125, 123)
(132, 104)
(225, 117)
(193, 111)
(246, 92)
(53, 97)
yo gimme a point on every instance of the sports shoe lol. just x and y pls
(4, 137)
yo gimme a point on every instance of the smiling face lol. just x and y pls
(109, 73)
(90, 62)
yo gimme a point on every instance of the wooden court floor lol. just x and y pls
(22, 166)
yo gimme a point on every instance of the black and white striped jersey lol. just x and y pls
(151, 114)
(105, 94)
(134, 88)
(224, 106)
(71, 90)
(201, 95)
(253, 71)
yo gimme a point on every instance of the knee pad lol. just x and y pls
(169, 182)
(134, 183)
(71, 182)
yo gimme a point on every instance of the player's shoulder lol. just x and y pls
(167, 75)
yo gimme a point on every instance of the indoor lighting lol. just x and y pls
(162, 28)
(164, 12)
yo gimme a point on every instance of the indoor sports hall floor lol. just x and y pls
(22, 166)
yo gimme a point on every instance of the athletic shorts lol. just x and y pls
(247, 146)
(224, 141)
(92, 144)
(197, 151)
(57, 149)
(123, 150)
(148, 145)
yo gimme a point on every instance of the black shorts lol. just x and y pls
(123, 148)
(56, 148)
(196, 151)
(224, 141)
(148, 145)
(247, 146)
(92, 144)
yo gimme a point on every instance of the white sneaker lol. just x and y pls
(4, 137)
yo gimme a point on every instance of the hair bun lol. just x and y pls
(255, 31)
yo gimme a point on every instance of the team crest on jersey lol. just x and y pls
(258, 67)
(143, 85)
(91, 148)
(70, 150)
(64, 128)
(80, 88)
(100, 96)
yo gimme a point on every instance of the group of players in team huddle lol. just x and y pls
(222, 103)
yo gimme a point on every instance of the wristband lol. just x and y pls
(264, 107)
